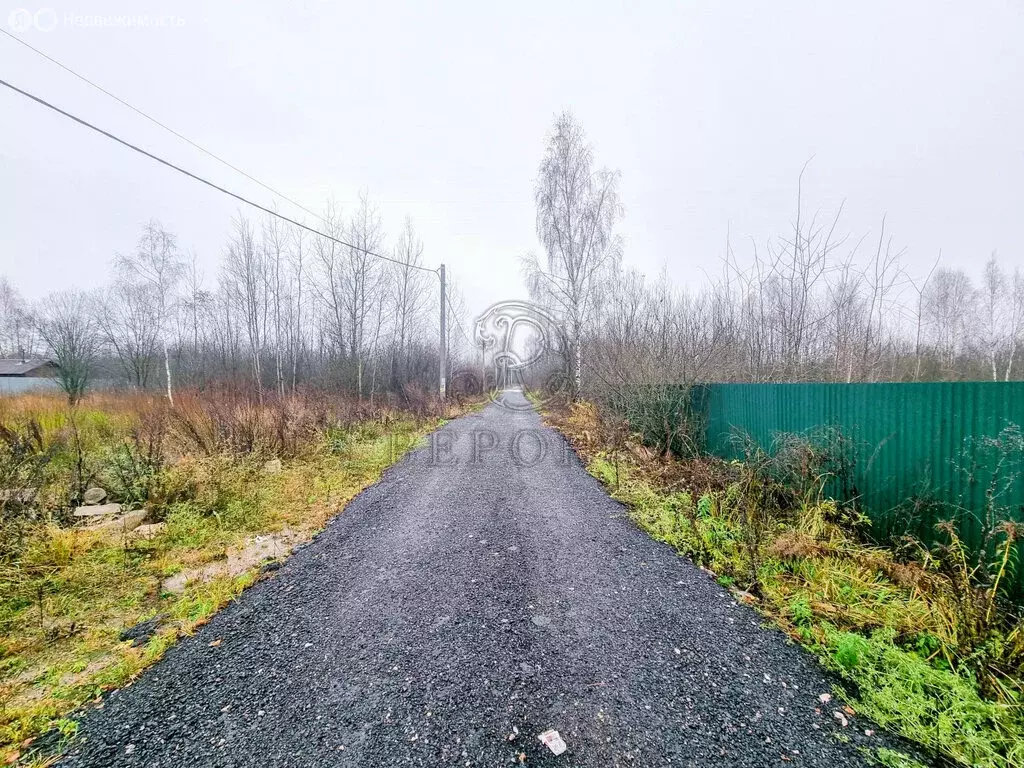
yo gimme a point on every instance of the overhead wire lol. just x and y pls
(207, 182)
(209, 153)
(153, 120)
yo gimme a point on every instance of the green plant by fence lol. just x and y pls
(919, 453)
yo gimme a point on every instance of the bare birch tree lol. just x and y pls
(361, 275)
(274, 239)
(577, 210)
(408, 296)
(330, 282)
(1015, 322)
(156, 262)
(196, 306)
(245, 275)
(947, 313)
(128, 317)
(297, 262)
(16, 331)
(995, 302)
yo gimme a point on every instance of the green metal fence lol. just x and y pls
(919, 450)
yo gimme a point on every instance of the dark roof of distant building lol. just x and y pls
(15, 366)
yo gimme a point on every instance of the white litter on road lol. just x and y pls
(553, 740)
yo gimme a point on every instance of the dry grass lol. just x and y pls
(66, 593)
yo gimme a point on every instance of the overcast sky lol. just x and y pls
(440, 110)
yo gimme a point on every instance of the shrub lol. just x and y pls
(129, 473)
(663, 415)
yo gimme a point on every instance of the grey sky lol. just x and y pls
(440, 111)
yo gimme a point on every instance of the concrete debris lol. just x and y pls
(98, 510)
(124, 524)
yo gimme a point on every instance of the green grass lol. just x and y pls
(936, 708)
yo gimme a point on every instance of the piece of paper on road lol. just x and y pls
(554, 741)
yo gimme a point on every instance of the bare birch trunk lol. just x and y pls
(167, 371)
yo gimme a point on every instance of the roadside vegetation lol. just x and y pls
(923, 639)
(922, 636)
(223, 483)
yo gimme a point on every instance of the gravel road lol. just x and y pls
(453, 612)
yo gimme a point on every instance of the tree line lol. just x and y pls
(289, 308)
(812, 304)
(286, 308)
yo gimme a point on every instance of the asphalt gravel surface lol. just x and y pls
(484, 591)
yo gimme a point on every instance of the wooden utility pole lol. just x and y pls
(444, 337)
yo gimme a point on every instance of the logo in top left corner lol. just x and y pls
(22, 20)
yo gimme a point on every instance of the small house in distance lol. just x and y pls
(20, 375)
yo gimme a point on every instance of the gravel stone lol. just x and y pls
(384, 643)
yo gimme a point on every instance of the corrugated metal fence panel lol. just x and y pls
(914, 444)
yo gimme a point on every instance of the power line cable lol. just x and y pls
(153, 120)
(179, 135)
(208, 183)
